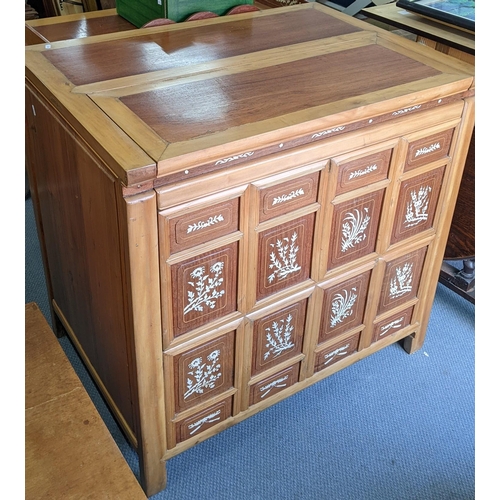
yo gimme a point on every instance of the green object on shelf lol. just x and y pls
(140, 12)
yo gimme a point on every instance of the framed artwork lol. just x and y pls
(459, 13)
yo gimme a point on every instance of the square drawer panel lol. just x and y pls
(203, 420)
(203, 372)
(431, 148)
(343, 307)
(401, 280)
(287, 196)
(278, 336)
(363, 171)
(338, 351)
(273, 384)
(284, 257)
(417, 202)
(203, 225)
(204, 288)
(354, 228)
(391, 325)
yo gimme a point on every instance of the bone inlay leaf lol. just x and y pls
(196, 426)
(354, 227)
(278, 337)
(392, 325)
(428, 149)
(342, 305)
(203, 224)
(284, 262)
(288, 197)
(416, 208)
(203, 375)
(364, 171)
(341, 351)
(266, 389)
(206, 288)
(401, 284)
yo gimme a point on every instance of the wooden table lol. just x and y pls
(231, 210)
(69, 451)
(460, 44)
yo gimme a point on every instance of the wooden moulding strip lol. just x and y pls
(119, 152)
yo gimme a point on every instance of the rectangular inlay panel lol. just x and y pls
(337, 352)
(275, 383)
(428, 149)
(205, 288)
(392, 325)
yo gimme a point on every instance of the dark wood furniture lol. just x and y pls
(232, 209)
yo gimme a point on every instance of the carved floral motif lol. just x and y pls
(416, 208)
(342, 306)
(285, 262)
(278, 337)
(401, 284)
(204, 224)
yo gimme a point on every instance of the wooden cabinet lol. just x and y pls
(231, 210)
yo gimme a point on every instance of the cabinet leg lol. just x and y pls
(412, 343)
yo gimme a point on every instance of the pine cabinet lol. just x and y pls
(231, 210)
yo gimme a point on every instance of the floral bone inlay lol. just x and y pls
(288, 197)
(204, 224)
(341, 351)
(342, 306)
(266, 389)
(236, 157)
(428, 149)
(406, 110)
(329, 131)
(353, 228)
(278, 337)
(364, 171)
(416, 208)
(285, 263)
(401, 283)
(393, 324)
(196, 426)
(203, 375)
(206, 288)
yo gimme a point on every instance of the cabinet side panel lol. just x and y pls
(78, 231)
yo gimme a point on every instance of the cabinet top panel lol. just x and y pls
(195, 97)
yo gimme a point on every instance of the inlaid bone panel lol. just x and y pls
(363, 171)
(204, 372)
(203, 225)
(205, 288)
(401, 279)
(354, 228)
(284, 255)
(336, 352)
(417, 202)
(428, 149)
(203, 420)
(278, 336)
(288, 196)
(392, 325)
(343, 307)
(275, 383)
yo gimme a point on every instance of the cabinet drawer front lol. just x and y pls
(284, 255)
(278, 336)
(203, 372)
(203, 420)
(417, 202)
(272, 385)
(203, 225)
(337, 352)
(392, 325)
(363, 171)
(343, 307)
(354, 228)
(205, 288)
(428, 149)
(288, 196)
(401, 280)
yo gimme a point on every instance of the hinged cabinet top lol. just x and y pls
(193, 97)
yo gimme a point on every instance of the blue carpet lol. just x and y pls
(390, 427)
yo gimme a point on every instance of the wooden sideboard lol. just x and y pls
(231, 210)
